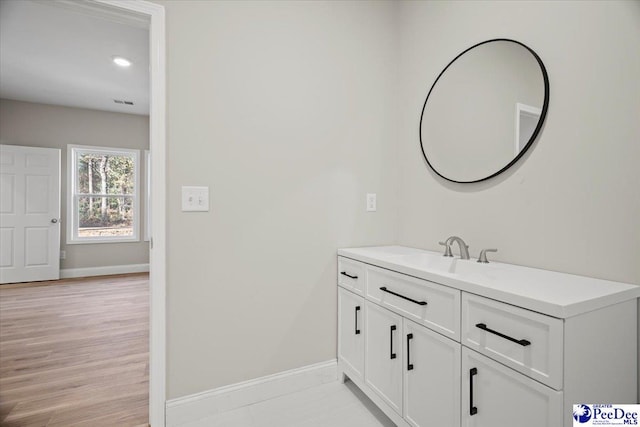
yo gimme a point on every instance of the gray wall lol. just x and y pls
(39, 125)
(292, 111)
(573, 203)
(285, 110)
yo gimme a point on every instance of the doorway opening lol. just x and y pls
(124, 13)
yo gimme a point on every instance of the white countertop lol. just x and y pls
(556, 294)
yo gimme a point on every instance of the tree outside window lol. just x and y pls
(104, 194)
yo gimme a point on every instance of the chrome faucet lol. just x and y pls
(483, 255)
(447, 249)
(464, 248)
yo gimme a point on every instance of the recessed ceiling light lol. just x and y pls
(122, 62)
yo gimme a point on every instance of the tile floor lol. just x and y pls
(329, 405)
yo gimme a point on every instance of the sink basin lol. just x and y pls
(428, 261)
(437, 263)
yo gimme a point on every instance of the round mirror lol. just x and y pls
(484, 110)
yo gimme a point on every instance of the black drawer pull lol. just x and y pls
(393, 355)
(344, 273)
(409, 364)
(357, 310)
(484, 327)
(384, 289)
(472, 409)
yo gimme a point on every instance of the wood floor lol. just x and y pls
(75, 352)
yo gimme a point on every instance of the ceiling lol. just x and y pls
(61, 53)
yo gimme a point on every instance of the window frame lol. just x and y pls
(73, 154)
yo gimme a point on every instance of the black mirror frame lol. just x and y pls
(536, 131)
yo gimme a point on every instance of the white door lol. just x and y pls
(29, 214)
(383, 354)
(351, 331)
(431, 377)
(496, 396)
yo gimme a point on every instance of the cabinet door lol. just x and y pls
(351, 331)
(383, 354)
(496, 396)
(431, 378)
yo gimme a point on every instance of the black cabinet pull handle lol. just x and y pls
(472, 409)
(393, 355)
(344, 273)
(409, 364)
(357, 310)
(484, 327)
(384, 289)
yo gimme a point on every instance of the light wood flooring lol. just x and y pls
(75, 352)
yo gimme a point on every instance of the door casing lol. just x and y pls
(157, 242)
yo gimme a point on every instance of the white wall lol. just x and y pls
(40, 125)
(573, 203)
(292, 111)
(286, 111)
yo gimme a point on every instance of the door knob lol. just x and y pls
(54, 220)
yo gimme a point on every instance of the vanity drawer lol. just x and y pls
(434, 306)
(351, 275)
(526, 341)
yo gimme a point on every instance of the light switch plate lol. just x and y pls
(195, 199)
(372, 202)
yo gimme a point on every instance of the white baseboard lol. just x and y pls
(201, 405)
(69, 273)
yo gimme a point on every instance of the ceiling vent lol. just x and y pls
(119, 101)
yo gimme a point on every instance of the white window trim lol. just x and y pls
(72, 217)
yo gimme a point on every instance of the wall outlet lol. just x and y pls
(63, 254)
(195, 199)
(372, 202)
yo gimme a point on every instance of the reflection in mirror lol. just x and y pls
(527, 118)
(484, 111)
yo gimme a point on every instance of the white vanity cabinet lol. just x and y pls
(528, 342)
(410, 371)
(414, 370)
(435, 306)
(431, 377)
(383, 354)
(494, 395)
(351, 275)
(542, 364)
(452, 343)
(351, 332)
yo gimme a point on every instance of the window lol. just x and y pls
(103, 195)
